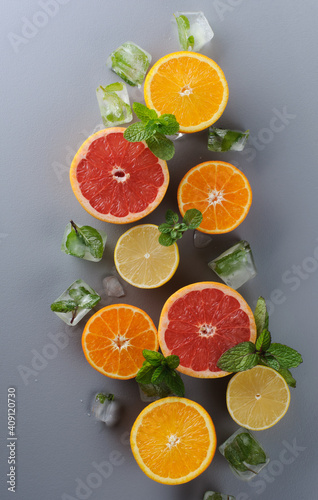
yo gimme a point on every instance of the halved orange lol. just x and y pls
(220, 191)
(114, 338)
(189, 85)
(115, 180)
(200, 322)
(173, 440)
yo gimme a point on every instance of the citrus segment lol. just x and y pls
(189, 85)
(173, 440)
(220, 191)
(258, 398)
(114, 338)
(200, 322)
(115, 180)
(141, 260)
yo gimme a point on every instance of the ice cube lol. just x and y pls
(221, 140)
(244, 453)
(74, 244)
(130, 62)
(213, 495)
(235, 266)
(199, 29)
(153, 392)
(114, 104)
(73, 304)
(113, 287)
(105, 408)
(201, 240)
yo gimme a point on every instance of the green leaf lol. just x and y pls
(114, 87)
(136, 132)
(221, 140)
(183, 227)
(158, 375)
(252, 452)
(239, 358)
(175, 382)
(229, 263)
(264, 341)
(166, 240)
(92, 239)
(192, 218)
(89, 301)
(143, 113)
(75, 245)
(101, 397)
(145, 373)
(171, 217)
(173, 361)
(151, 127)
(234, 457)
(261, 316)
(165, 228)
(269, 360)
(183, 28)
(287, 376)
(286, 356)
(63, 306)
(161, 147)
(191, 41)
(153, 357)
(168, 124)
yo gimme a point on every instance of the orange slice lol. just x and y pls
(115, 180)
(200, 322)
(189, 85)
(173, 440)
(220, 191)
(114, 338)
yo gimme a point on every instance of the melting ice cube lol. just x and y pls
(201, 240)
(130, 62)
(199, 29)
(73, 304)
(113, 287)
(114, 105)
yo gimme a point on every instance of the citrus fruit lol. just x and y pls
(220, 191)
(114, 338)
(189, 85)
(141, 260)
(258, 398)
(200, 322)
(173, 440)
(115, 180)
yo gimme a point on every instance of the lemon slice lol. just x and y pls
(258, 398)
(141, 260)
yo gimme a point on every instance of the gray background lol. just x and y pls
(268, 51)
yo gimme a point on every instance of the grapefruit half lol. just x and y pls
(115, 180)
(200, 322)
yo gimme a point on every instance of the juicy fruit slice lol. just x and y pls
(115, 180)
(173, 440)
(220, 191)
(141, 260)
(258, 398)
(114, 338)
(189, 85)
(200, 322)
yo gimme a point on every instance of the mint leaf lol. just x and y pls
(264, 341)
(251, 451)
(166, 240)
(75, 245)
(101, 397)
(93, 240)
(167, 124)
(78, 293)
(173, 361)
(191, 41)
(221, 140)
(136, 132)
(286, 356)
(165, 228)
(153, 357)
(183, 25)
(144, 374)
(89, 301)
(261, 315)
(161, 147)
(143, 113)
(63, 306)
(239, 358)
(171, 217)
(287, 376)
(269, 360)
(158, 375)
(175, 382)
(113, 87)
(192, 218)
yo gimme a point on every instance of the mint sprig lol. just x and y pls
(246, 355)
(82, 239)
(172, 230)
(80, 298)
(153, 129)
(102, 397)
(160, 371)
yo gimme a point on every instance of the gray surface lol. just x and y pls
(268, 51)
